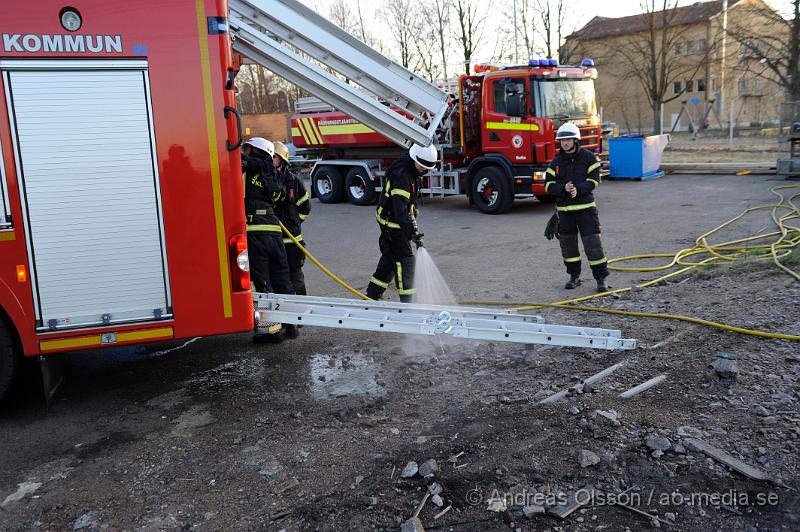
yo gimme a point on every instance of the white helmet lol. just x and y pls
(263, 145)
(568, 130)
(424, 155)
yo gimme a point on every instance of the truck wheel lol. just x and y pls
(491, 190)
(9, 359)
(360, 188)
(328, 184)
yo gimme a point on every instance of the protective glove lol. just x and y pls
(417, 238)
(552, 227)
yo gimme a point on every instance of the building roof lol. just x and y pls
(600, 27)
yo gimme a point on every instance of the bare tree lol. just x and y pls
(403, 21)
(261, 91)
(650, 56)
(470, 24)
(439, 12)
(769, 44)
(551, 22)
(340, 14)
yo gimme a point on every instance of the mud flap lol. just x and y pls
(52, 368)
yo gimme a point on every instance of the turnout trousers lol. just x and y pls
(396, 262)
(269, 268)
(296, 259)
(585, 222)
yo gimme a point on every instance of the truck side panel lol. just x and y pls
(200, 181)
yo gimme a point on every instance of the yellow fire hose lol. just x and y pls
(726, 251)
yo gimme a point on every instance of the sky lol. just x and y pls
(580, 12)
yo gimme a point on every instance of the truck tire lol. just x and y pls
(9, 358)
(328, 184)
(359, 187)
(491, 190)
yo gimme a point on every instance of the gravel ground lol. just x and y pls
(315, 433)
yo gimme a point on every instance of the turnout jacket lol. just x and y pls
(296, 207)
(397, 204)
(262, 192)
(583, 169)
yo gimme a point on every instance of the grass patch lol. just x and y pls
(647, 421)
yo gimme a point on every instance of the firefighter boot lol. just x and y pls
(290, 331)
(602, 286)
(574, 282)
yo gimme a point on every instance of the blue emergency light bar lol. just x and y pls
(586, 63)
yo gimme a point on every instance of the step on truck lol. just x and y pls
(496, 138)
(121, 212)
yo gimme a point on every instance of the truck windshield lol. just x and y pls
(573, 98)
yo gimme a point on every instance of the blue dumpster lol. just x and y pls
(636, 156)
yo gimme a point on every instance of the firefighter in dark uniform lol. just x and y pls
(571, 178)
(292, 213)
(269, 269)
(397, 219)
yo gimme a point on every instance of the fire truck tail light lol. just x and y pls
(22, 274)
(240, 264)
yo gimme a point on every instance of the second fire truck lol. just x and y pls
(496, 140)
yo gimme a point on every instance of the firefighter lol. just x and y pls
(292, 212)
(397, 220)
(269, 268)
(571, 178)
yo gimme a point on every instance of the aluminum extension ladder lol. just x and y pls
(270, 32)
(432, 320)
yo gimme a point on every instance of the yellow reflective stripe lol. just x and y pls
(288, 240)
(264, 227)
(578, 207)
(551, 172)
(596, 183)
(547, 185)
(573, 259)
(213, 151)
(399, 267)
(593, 167)
(317, 132)
(306, 134)
(387, 223)
(149, 334)
(303, 216)
(598, 261)
(345, 129)
(400, 192)
(295, 132)
(303, 199)
(512, 126)
(407, 291)
(69, 343)
(375, 280)
(7, 236)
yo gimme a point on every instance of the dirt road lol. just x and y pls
(221, 434)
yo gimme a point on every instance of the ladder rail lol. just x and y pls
(252, 21)
(430, 320)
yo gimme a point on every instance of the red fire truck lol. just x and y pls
(496, 140)
(121, 213)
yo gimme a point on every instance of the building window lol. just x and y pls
(743, 86)
(678, 50)
(676, 87)
(701, 45)
(689, 47)
(714, 85)
(701, 85)
(690, 85)
(757, 87)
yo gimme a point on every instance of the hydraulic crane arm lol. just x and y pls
(274, 33)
